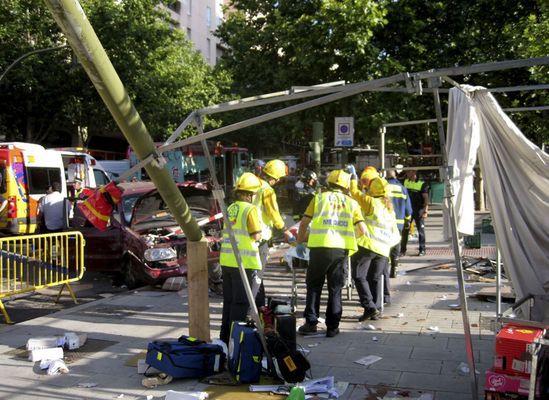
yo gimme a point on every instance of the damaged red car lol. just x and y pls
(143, 242)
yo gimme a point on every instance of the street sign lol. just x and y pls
(344, 132)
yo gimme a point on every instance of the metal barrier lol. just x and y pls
(33, 262)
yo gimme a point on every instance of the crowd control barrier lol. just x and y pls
(32, 262)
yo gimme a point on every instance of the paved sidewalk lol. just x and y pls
(420, 339)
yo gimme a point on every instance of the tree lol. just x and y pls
(165, 77)
(277, 44)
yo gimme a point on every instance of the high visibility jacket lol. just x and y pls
(416, 190)
(249, 250)
(266, 222)
(401, 201)
(332, 222)
(382, 232)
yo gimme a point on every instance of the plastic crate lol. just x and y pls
(487, 226)
(436, 193)
(472, 241)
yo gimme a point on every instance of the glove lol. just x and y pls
(350, 169)
(300, 250)
(291, 238)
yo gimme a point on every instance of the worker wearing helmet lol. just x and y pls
(371, 260)
(333, 218)
(246, 226)
(369, 173)
(269, 214)
(257, 167)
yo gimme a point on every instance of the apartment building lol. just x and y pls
(199, 19)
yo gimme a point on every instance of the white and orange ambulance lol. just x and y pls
(27, 171)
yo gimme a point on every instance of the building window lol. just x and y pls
(189, 33)
(190, 7)
(208, 48)
(208, 16)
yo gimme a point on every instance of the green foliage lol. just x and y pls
(165, 77)
(274, 45)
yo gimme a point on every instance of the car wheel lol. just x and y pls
(128, 275)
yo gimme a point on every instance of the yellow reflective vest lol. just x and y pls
(381, 229)
(332, 222)
(248, 248)
(266, 223)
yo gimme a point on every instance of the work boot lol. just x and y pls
(331, 332)
(370, 313)
(421, 253)
(307, 329)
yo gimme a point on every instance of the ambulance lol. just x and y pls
(27, 170)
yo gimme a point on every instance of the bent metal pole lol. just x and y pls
(82, 38)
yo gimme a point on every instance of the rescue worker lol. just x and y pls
(77, 185)
(371, 260)
(306, 188)
(265, 201)
(257, 167)
(54, 210)
(333, 217)
(246, 225)
(366, 177)
(419, 196)
(403, 211)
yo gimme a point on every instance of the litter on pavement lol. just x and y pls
(368, 360)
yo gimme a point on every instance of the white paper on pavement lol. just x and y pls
(368, 360)
(173, 395)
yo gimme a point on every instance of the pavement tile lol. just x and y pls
(437, 354)
(434, 382)
(363, 375)
(418, 341)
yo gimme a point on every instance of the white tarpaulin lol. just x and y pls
(516, 178)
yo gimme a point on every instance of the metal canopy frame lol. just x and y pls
(327, 93)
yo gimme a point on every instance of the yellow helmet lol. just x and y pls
(369, 173)
(248, 182)
(379, 187)
(340, 178)
(276, 169)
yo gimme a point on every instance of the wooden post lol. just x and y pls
(197, 275)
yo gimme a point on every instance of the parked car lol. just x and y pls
(143, 242)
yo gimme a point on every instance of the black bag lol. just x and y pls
(292, 366)
(186, 358)
(285, 325)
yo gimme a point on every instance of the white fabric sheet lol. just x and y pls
(516, 177)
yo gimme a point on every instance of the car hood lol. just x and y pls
(150, 211)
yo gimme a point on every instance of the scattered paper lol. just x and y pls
(400, 315)
(187, 395)
(454, 306)
(433, 328)
(443, 297)
(368, 360)
(87, 384)
(313, 344)
(374, 338)
(370, 327)
(408, 283)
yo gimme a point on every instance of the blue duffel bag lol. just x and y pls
(186, 358)
(245, 352)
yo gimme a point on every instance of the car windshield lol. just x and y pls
(151, 210)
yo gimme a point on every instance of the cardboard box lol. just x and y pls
(503, 383)
(514, 349)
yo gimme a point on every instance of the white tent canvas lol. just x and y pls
(516, 176)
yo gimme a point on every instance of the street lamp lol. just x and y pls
(30, 53)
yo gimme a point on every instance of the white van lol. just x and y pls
(27, 170)
(81, 165)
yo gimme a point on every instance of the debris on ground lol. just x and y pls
(368, 360)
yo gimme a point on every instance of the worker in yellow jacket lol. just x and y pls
(265, 200)
(372, 258)
(246, 225)
(333, 218)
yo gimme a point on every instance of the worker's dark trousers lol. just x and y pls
(330, 264)
(417, 217)
(259, 291)
(235, 302)
(367, 270)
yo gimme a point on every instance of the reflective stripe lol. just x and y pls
(326, 231)
(242, 251)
